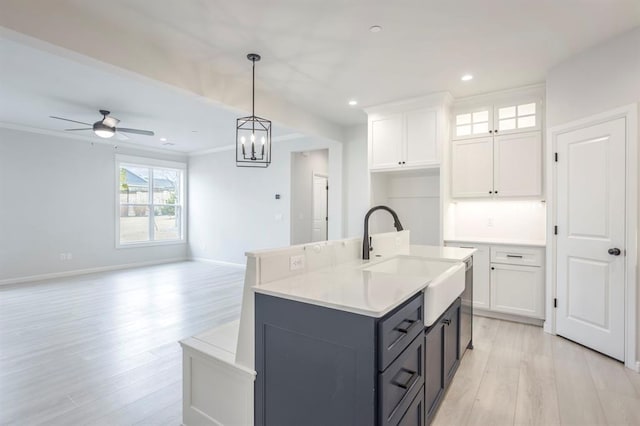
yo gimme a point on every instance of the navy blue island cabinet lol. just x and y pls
(321, 366)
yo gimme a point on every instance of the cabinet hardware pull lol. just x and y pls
(492, 268)
(405, 330)
(515, 256)
(496, 130)
(447, 321)
(407, 383)
(490, 192)
(490, 131)
(467, 247)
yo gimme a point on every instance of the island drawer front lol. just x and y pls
(517, 255)
(398, 329)
(399, 384)
(415, 415)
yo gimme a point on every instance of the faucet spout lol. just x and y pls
(366, 244)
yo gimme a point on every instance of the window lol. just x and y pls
(150, 204)
(472, 123)
(517, 117)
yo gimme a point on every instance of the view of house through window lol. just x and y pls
(151, 203)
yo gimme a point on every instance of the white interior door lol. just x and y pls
(320, 211)
(591, 226)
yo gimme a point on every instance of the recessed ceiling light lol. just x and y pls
(375, 28)
(163, 139)
(467, 77)
(353, 102)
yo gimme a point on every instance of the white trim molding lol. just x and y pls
(630, 114)
(74, 272)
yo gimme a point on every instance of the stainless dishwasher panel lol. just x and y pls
(466, 316)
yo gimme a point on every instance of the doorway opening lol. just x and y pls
(309, 196)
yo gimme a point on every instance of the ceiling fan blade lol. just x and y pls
(122, 136)
(73, 130)
(110, 121)
(73, 121)
(136, 131)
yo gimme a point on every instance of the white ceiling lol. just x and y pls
(35, 84)
(319, 53)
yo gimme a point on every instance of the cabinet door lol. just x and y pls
(421, 145)
(386, 142)
(451, 341)
(517, 290)
(472, 122)
(518, 165)
(517, 117)
(472, 168)
(481, 270)
(434, 369)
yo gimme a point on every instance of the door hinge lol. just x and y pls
(555, 230)
(555, 302)
(556, 157)
(327, 188)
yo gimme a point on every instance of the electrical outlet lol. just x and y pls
(69, 256)
(63, 256)
(490, 222)
(296, 262)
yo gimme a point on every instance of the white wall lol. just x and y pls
(511, 220)
(57, 196)
(233, 210)
(599, 79)
(303, 166)
(356, 187)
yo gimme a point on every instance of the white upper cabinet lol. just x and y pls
(408, 134)
(473, 122)
(472, 171)
(408, 139)
(496, 148)
(517, 170)
(504, 117)
(421, 142)
(386, 135)
(517, 117)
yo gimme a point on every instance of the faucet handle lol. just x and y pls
(370, 246)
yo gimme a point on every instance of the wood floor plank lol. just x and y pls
(496, 398)
(578, 400)
(79, 349)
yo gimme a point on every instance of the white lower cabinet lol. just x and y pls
(507, 279)
(517, 290)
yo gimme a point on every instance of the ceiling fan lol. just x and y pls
(106, 127)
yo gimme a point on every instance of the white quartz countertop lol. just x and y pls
(498, 241)
(349, 287)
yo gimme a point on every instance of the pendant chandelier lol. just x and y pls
(253, 134)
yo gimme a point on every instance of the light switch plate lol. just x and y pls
(296, 262)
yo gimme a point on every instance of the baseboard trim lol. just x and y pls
(218, 262)
(508, 317)
(40, 277)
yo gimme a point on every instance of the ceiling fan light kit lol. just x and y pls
(253, 133)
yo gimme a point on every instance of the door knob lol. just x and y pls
(614, 251)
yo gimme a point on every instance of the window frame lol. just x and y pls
(151, 163)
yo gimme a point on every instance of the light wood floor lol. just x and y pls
(102, 349)
(518, 375)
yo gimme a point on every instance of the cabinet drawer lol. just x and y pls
(397, 331)
(415, 415)
(399, 384)
(512, 255)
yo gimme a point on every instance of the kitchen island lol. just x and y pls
(323, 333)
(347, 344)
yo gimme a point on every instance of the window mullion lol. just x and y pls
(152, 218)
